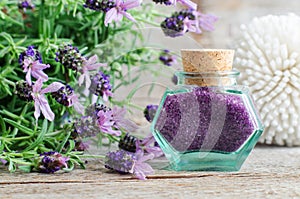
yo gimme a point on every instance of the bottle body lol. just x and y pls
(209, 124)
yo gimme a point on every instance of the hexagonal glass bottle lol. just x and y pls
(207, 122)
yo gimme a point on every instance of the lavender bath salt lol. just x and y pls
(206, 119)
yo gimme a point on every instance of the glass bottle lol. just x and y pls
(207, 122)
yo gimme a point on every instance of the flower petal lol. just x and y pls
(131, 4)
(45, 108)
(53, 87)
(81, 79)
(37, 110)
(39, 66)
(128, 16)
(87, 81)
(40, 74)
(189, 4)
(36, 88)
(110, 16)
(28, 76)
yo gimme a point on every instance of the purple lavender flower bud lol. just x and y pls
(150, 112)
(166, 58)
(101, 86)
(99, 5)
(50, 162)
(24, 90)
(128, 143)
(175, 26)
(166, 2)
(120, 161)
(63, 95)
(30, 54)
(69, 57)
(25, 4)
(86, 126)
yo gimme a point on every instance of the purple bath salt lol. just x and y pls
(205, 119)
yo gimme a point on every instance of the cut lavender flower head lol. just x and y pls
(166, 58)
(101, 86)
(150, 111)
(99, 5)
(62, 96)
(24, 90)
(50, 162)
(120, 161)
(128, 143)
(69, 57)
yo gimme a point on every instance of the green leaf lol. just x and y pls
(3, 127)
(4, 51)
(71, 146)
(22, 128)
(26, 168)
(40, 137)
(11, 166)
(63, 143)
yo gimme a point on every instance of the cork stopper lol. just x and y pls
(206, 61)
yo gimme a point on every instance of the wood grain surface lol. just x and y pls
(269, 172)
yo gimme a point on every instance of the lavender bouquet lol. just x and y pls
(59, 68)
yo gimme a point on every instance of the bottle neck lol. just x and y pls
(217, 78)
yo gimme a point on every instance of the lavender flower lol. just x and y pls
(30, 54)
(24, 90)
(128, 143)
(127, 162)
(120, 122)
(113, 120)
(188, 3)
(65, 96)
(187, 21)
(106, 123)
(40, 101)
(177, 25)
(119, 10)
(93, 109)
(167, 59)
(99, 5)
(25, 4)
(50, 162)
(206, 21)
(88, 65)
(32, 64)
(166, 2)
(120, 161)
(101, 86)
(141, 169)
(86, 126)
(148, 145)
(69, 57)
(150, 111)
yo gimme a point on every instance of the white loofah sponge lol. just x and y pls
(268, 56)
